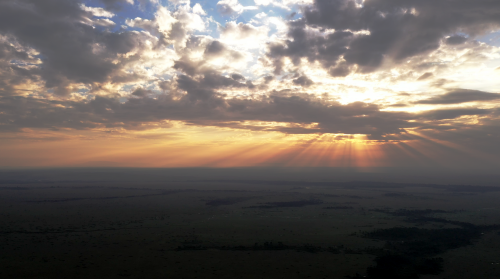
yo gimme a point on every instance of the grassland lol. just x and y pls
(247, 229)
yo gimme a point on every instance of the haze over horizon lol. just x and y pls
(356, 84)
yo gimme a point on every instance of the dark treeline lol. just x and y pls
(410, 251)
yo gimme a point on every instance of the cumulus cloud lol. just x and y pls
(198, 100)
(197, 9)
(382, 31)
(244, 35)
(232, 7)
(76, 54)
(201, 104)
(303, 81)
(67, 45)
(78, 72)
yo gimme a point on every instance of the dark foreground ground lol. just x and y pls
(87, 226)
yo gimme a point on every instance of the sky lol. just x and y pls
(250, 83)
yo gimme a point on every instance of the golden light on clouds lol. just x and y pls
(193, 147)
(339, 83)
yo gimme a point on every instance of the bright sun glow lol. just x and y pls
(237, 83)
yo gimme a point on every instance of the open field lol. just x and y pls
(247, 229)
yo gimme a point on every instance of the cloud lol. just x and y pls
(458, 96)
(63, 67)
(232, 7)
(455, 40)
(381, 31)
(180, 2)
(425, 76)
(106, 22)
(116, 4)
(303, 81)
(197, 9)
(217, 50)
(244, 35)
(201, 106)
(199, 100)
(141, 92)
(95, 11)
(73, 52)
(284, 4)
(440, 114)
(326, 49)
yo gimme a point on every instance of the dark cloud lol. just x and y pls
(197, 101)
(237, 77)
(215, 48)
(458, 96)
(456, 40)
(425, 76)
(303, 81)
(70, 50)
(441, 82)
(390, 29)
(268, 79)
(398, 105)
(141, 92)
(324, 49)
(13, 73)
(215, 80)
(340, 70)
(114, 4)
(189, 67)
(341, 36)
(201, 104)
(441, 114)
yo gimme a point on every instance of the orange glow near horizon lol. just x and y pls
(172, 84)
(215, 147)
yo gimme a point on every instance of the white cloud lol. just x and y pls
(197, 9)
(244, 35)
(98, 12)
(233, 7)
(284, 4)
(180, 2)
(263, 2)
(191, 21)
(293, 2)
(164, 20)
(104, 22)
(172, 27)
(261, 15)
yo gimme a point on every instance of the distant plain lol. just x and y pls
(179, 227)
